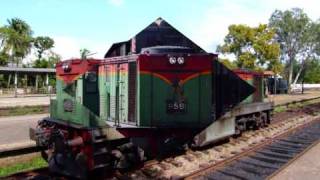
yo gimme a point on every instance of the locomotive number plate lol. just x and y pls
(176, 107)
(68, 105)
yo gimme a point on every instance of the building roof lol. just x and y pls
(114, 47)
(27, 70)
(268, 73)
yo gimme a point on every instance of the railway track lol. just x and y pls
(198, 163)
(41, 173)
(265, 160)
(33, 148)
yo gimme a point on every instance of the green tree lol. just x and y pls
(253, 46)
(48, 62)
(291, 28)
(84, 53)
(41, 63)
(53, 59)
(6, 37)
(312, 75)
(43, 43)
(310, 48)
(16, 39)
(3, 58)
(229, 64)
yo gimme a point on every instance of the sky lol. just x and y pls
(96, 24)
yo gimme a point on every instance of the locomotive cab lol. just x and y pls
(77, 99)
(164, 86)
(178, 83)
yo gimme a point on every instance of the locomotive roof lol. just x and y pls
(158, 33)
(167, 49)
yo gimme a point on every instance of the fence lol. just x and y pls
(27, 91)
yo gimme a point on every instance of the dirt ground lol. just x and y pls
(25, 101)
(15, 129)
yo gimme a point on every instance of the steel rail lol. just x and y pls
(28, 149)
(248, 152)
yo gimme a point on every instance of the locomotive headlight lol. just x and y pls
(172, 60)
(176, 60)
(182, 106)
(66, 67)
(175, 106)
(180, 60)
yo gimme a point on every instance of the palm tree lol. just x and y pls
(43, 43)
(16, 40)
(84, 53)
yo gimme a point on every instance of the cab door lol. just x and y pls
(123, 93)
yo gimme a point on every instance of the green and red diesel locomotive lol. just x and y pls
(154, 93)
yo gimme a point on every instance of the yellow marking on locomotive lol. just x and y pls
(156, 75)
(181, 82)
(61, 78)
(194, 76)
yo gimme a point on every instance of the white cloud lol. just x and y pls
(116, 2)
(69, 47)
(213, 27)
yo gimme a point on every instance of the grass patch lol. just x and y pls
(279, 109)
(34, 163)
(23, 110)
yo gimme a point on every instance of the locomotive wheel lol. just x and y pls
(67, 165)
(46, 154)
(61, 160)
(264, 120)
(127, 156)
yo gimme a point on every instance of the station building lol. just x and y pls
(32, 77)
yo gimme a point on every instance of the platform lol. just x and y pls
(14, 130)
(286, 98)
(306, 167)
(6, 102)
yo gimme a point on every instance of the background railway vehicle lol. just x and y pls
(152, 93)
(277, 85)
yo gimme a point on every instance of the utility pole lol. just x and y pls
(15, 84)
(302, 81)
